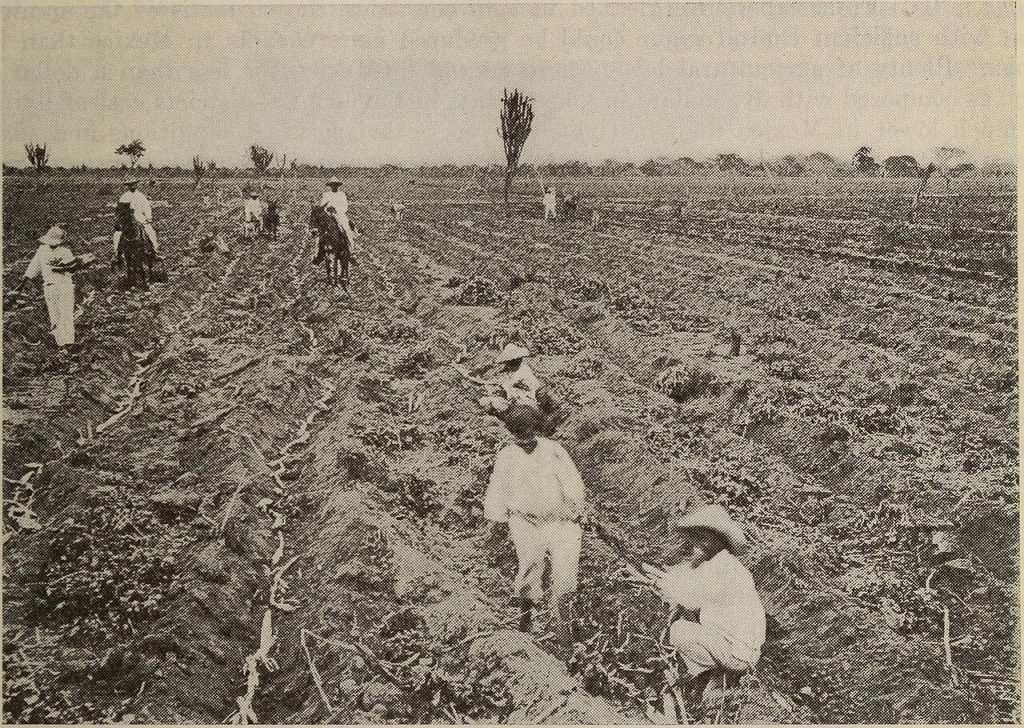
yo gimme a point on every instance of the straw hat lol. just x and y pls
(333, 182)
(511, 352)
(53, 237)
(717, 519)
(130, 181)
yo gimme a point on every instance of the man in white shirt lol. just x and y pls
(252, 213)
(335, 203)
(536, 489)
(550, 201)
(143, 213)
(52, 262)
(704, 577)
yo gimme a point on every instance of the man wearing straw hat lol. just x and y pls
(537, 491)
(335, 203)
(54, 263)
(703, 577)
(142, 210)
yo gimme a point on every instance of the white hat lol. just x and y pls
(53, 237)
(511, 352)
(333, 181)
(717, 519)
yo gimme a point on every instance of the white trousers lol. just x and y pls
(60, 305)
(549, 212)
(345, 225)
(703, 647)
(535, 542)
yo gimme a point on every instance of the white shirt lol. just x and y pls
(42, 263)
(549, 199)
(544, 484)
(337, 200)
(253, 209)
(722, 589)
(140, 205)
(521, 385)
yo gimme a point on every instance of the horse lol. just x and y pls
(334, 246)
(134, 247)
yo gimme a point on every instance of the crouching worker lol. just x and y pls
(704, 579)
(537, 491)
(517, 384)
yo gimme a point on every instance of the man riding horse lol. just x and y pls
(133, 244)
(334, 245)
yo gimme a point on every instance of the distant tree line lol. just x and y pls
(862, 163)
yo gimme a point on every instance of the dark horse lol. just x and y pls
(134, 247)
(335, 248)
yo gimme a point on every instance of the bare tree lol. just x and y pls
(516, 121)
(37, 155)
(261, 158)
(133, 150)
(198, 169)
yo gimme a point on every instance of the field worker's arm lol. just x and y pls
(144, 209)
(685, 586)
(572, 483)
(35, 266)
(496, 497)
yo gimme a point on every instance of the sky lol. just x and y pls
(412, 84)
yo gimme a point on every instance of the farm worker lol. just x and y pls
(336, 199)
(335, 203)
(143, 213)
(52, 261)
(518, 384)
(537, 491)
(550, 200)
(252, 211)
(396, 210)
(703, 577)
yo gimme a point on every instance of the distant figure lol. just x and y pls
(53, 261)
(396, 210)
(570, 207)
(142, 210)
(252, 215)
(550, 201)
(271, 220)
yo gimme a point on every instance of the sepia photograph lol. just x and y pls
(570, 363)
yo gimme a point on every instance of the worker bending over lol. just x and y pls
(517, 384)
(718, 619)
(537, 491)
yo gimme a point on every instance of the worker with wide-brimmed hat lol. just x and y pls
(54, 263)
(704, 579)
(335, 203)
(142, 211)
(537, 491)
(518, 384)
